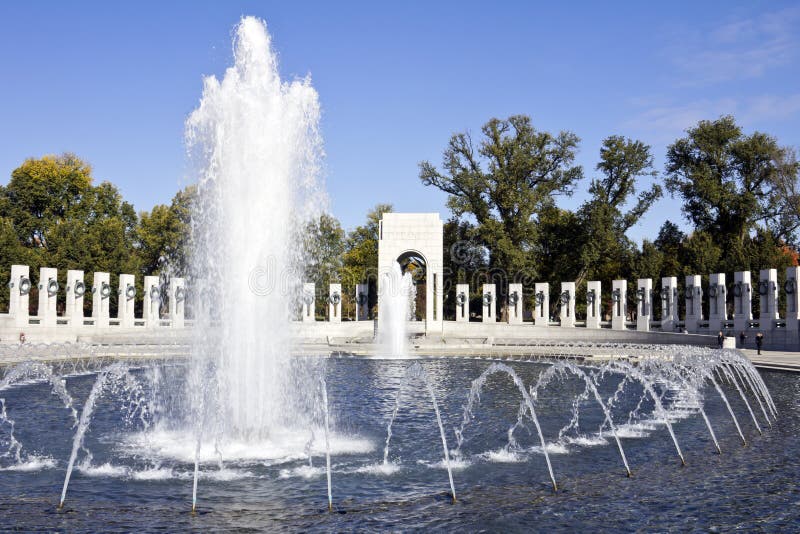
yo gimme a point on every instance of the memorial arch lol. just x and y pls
(415, 239)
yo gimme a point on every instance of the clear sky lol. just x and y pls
(114, 82)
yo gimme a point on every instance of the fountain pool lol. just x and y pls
(134, 468)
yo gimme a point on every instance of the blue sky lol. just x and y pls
(114, 82)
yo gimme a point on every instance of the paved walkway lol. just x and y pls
(774, 359)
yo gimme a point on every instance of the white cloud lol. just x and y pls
(738, 49)
(665, 120)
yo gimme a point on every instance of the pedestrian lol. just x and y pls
(759, 341)
(742, 338)
(21, 338)
(720, 339)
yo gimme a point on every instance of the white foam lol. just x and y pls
(155, 473)
(631, 431)
(33, 463)
(282, 446)
(456, 464)
(552, 448)
(304, 471)
(502, 456)
(380, 468)
(587, 441)
(103, 470)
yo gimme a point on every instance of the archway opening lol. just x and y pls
(414, 263)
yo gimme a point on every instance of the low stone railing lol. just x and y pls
(76, 291)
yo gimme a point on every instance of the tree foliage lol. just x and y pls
(730, 182)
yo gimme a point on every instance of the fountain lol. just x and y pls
(237, 422)
(255, 142)
(394, 310)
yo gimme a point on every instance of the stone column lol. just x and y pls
(462, 303)
(362, 302)
(768, 296)
(126, 300)
(101, 293)
(335, 303)
(48, 293)
(669, 303)
(177, 302)
(20, 287)
(717, 303)
(693, 293)
(541, 299)
(515, 303)
(790, 287)
(309, 298)
(742, 301)
(76, 288)
(151, 302)
(489, 300)
(619, 303)
(593, 304)
(644, 304)
(566, 312)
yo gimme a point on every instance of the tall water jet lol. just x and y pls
(254, 140)
(257, 144)
(394, 310)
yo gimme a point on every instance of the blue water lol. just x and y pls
(752, 488)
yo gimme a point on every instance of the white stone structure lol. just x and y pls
(669, 303)
(309, 298)
(514, 307)
(790, 287)
(462, 303)
(619, 304)
(74, 293)
(644, 304)
(768, 296)
(126, 300)
(693, 293)
(362, 302)
(541, 302)
(20, 286)
(335, 303)
(177, 302)
(101, 299)
(48, 293)
(421, 235)
(593, 304)
(489, 302)
(566, 311)
(717, 307)
(151, 301)
(742, 301)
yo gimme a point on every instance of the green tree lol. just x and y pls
(323, 249)
(361, 254)
(605, 249)
(727, 181)
(465, 261)
(164, 233)
(62, 220)
(43, 193)
(669, 242)
(504, 184)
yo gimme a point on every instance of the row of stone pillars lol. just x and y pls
(334, 300)
(76, 291)
(742, 300)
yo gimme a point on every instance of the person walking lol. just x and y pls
(720, 339)
(759, 341)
